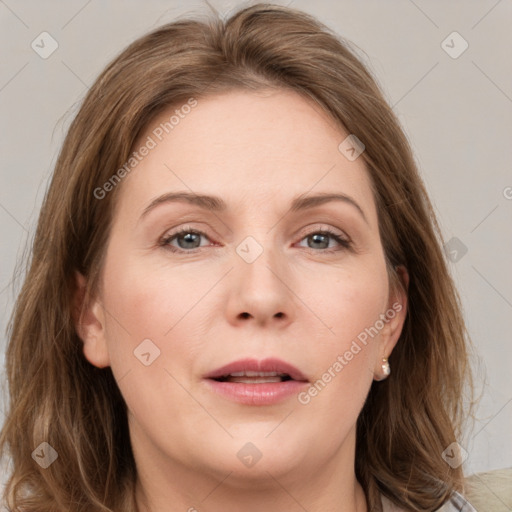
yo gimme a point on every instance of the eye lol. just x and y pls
(320, 240)
(187, 239)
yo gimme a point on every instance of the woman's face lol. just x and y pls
(250, 278)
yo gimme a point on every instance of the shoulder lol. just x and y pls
(457, 503)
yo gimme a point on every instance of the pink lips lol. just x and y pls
(251, 391)
(267, 365)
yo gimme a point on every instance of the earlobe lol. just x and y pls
(396, 314)
(385, 370)
(89, 321)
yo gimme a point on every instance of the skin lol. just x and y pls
(257, 151)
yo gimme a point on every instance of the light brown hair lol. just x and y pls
(57, 396)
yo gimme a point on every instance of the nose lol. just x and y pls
(261, 292)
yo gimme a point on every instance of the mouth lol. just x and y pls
(254, 371)
(250, 377)
(253, 382)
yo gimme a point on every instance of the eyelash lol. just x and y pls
(165, 240)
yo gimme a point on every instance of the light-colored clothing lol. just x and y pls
(457, 503)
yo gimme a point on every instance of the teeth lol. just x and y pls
(249, 380)
(249, 373)
(253, 377)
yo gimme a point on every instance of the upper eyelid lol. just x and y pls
(186, 228)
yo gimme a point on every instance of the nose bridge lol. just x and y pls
(260, 276)
(257, 262)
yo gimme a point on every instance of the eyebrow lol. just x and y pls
(216, 204)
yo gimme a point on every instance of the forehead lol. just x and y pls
(246, 146)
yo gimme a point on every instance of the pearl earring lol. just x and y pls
(386, 370)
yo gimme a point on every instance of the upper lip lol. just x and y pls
(265, 365)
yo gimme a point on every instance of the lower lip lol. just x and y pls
(257, 394)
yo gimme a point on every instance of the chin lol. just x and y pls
(255, 459)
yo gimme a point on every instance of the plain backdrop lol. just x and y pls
(451, 92)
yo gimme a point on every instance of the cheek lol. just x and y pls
(348, 307)
(346, 301)
(152, 297)
(151, 319)
(151, 303)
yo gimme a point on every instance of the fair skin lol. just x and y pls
(302, 304)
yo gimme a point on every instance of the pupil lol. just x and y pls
(189, 239)
(316, 239)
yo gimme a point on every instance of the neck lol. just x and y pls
(273, 496)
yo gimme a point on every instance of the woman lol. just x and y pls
(237, 298)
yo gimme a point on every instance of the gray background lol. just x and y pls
(456, 112)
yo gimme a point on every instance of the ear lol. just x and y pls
(394, 318)
(89, 321)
